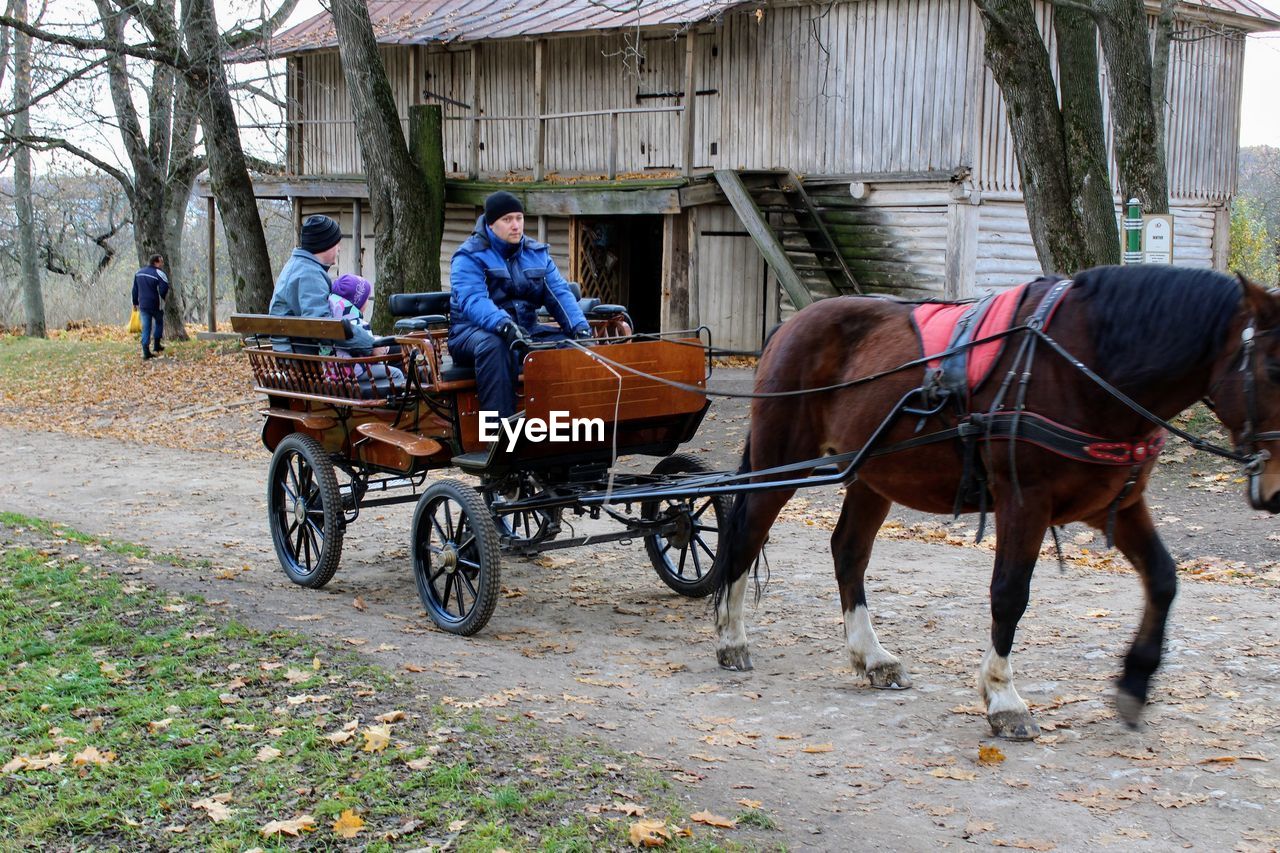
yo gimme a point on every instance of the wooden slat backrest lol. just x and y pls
(293, 327)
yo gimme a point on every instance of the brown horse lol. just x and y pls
(1047, 443)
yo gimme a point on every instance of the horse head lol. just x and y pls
(1246, 392)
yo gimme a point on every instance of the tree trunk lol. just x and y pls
(32, 298)
(407, 247)
(1018, 59)
(1139, 136)
(228, 171)
(1086, 145)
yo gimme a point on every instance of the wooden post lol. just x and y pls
(542, 229)
(357, 243)
(689, 128)
(473, 97)
(959, 270)
(426, 146)
(213, 267)
(613, 145)
(540, 101)
(675, 272)
(695, 313)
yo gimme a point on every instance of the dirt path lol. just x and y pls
(592, 641)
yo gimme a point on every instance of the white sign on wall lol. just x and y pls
(1157, 238)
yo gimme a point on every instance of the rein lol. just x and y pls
(1034, 327)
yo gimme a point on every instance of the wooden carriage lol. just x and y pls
(353, 432)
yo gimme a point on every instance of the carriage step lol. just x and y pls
(409, 442)
(473, 462)
(309, 419)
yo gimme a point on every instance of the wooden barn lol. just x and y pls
(720, 162)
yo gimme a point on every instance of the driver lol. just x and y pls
(498, 279)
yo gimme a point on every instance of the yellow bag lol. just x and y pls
(135, 323)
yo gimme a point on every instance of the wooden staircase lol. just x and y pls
(788, 229)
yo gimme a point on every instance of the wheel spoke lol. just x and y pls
(435, 576)
(456, 579)
(698, 540)
(448, 593)
(697, 564)
(684, 552)
(305, 538)
(707, 504)
(448, 520)
(462, 576)
(435, 522)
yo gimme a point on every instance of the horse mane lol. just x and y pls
(1155, 322)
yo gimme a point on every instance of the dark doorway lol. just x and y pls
(619, 260)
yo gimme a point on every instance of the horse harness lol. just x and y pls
(951, 383)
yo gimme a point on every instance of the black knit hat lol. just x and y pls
(499, 205)
(319, 233)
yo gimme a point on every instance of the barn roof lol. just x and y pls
(444, 21)
(423, 21)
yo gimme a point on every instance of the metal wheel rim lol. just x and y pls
(449, 561)
(696, 555)
(300, 513)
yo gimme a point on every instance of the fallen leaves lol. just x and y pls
(348, 824)
(713, 820)
(215, 807)
(91, 755)
(21, 763)
(990, 755)
(649, 833)
(267, 753)
(295, 827)
(953, 773)
(376, 738)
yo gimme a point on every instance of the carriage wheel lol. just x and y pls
(455, 557)
(304, 510)
(519, 531)
(684, 557)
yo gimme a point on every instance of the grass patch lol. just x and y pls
(135, 719)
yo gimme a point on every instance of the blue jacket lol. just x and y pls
(492, 284)
(150, 286)
(302, 290)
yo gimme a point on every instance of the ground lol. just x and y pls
(590, 642)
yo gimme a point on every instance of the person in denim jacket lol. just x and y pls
(499, 278)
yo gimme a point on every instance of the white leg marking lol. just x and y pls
(865, 651)
(995, 685)
(731, 629)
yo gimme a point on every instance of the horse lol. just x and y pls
(1066, 429)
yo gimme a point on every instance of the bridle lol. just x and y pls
(1247, 451)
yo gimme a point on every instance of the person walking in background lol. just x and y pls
(150, 287)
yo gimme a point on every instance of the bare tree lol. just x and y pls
(1059, 140)
(32, 299)
(408, 206)
(188, 87)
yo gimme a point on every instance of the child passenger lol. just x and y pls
(346, 302)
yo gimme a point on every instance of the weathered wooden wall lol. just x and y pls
(729, 294)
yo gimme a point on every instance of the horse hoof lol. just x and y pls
(734, 658)
(1013, 725)
(1129, 707)
(889, 676)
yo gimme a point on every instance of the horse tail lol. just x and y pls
(732, 532)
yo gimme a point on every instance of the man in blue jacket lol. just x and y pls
(302, 290)
(498, 279)
(150, 287)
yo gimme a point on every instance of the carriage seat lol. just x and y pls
(419, 311)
